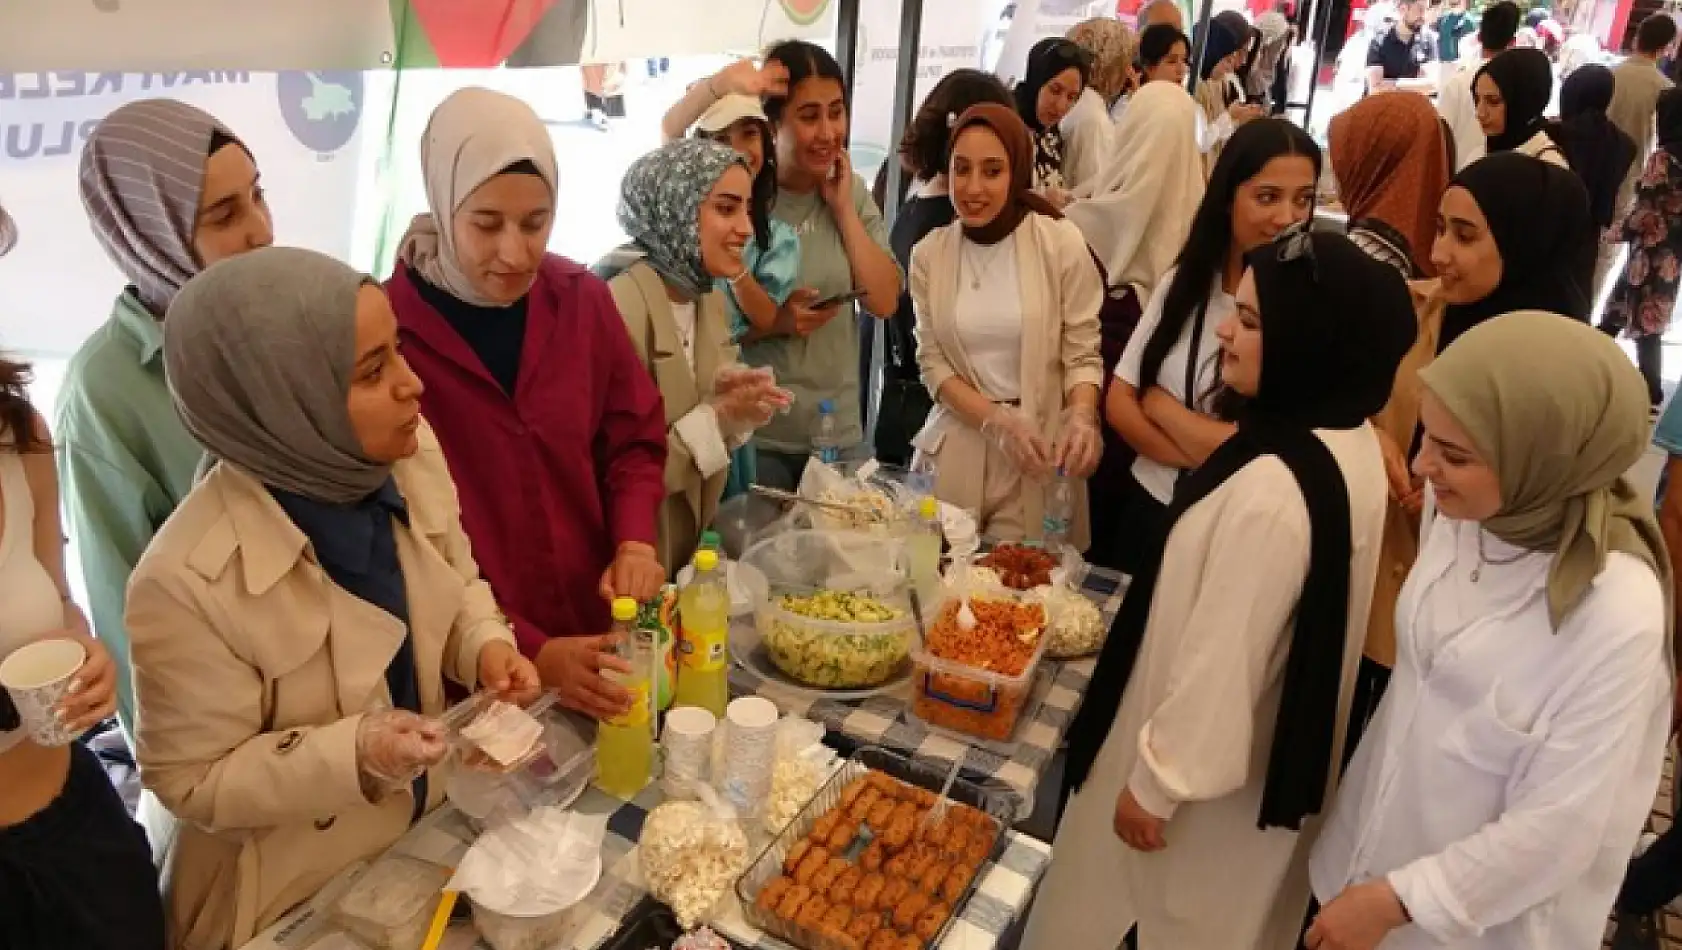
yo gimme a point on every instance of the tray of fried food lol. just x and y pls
(863, 866)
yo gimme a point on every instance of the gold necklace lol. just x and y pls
(1477, 572)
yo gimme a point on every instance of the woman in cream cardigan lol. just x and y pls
(1007, 301)
(686, 207)
(295, 620)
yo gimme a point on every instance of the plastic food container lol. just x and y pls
(968, 699)
(390, 906)
(556, 774)
(816, 582)
(927, 776)
(508, 932)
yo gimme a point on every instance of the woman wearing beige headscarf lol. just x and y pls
(1496, 797)
(294, 624)
(553, 428)
(1089, 130)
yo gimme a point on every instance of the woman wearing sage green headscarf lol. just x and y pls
(294, 623)
(552, 427)
(1498, 793)
(686, 208)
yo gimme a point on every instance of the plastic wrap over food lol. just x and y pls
(690, 853)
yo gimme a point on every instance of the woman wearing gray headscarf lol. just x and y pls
(169, 191)
(293, 624)
(686, 207)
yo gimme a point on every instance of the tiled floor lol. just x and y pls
(1660, 822)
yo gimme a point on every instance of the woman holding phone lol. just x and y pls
(844, 261)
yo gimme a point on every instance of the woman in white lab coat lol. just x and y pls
(1497, 796)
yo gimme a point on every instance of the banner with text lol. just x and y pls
(305, 130)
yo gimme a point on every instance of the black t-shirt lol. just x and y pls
(916, 218)
(1401, 59)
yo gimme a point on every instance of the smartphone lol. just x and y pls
(838, 300)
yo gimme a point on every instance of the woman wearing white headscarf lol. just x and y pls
(553, 428)
(169, 191)
(1135, 216)
(295, 621)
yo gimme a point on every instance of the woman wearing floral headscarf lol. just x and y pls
(686, 208)
(1089, 130)
(169, 191)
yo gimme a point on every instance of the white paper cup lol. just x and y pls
(687, 744)
(37, 677)
(750, 751)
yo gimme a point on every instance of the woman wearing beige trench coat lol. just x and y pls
(269, 655)
(1007, 301)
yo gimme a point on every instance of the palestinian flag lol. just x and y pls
(466, 34)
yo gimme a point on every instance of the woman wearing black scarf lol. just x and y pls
(1600, 153)
(1512, 90)
(1220, 91)
(1515, 234)
(1058, 71)
(1237, 646)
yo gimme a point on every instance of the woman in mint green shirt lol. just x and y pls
(843, 247)
(169, 191)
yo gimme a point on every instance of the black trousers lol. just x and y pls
(79, 872)
(1655, 878)
(1649, 357)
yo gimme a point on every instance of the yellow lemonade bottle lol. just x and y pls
(922, 553)
(625, 745)
(703, 611)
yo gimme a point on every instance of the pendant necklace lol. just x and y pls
(963, 259)
(1477, 572)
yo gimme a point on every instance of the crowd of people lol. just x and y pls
(1394, 667)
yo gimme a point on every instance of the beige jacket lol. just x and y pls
(252, 671)
(1399, 419)
(695, 475)
(1061, 294)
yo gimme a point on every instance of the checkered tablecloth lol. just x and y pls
(444, 836)
(1012, 772)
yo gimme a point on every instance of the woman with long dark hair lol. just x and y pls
(1160, 399)
(75, 871)
(1209, 734)
(1058, 72)
(925, 207)
(843, 249)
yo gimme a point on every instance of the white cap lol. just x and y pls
(728, 111)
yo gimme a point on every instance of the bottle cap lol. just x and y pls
(928, 507)
(706, 560)
(710, 539)
(826, 407)
(624, 608)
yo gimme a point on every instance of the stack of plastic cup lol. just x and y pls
(687, 747)
(749, 755)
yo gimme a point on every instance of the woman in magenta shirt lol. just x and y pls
(554, 433)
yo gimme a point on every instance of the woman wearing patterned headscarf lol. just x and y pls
(1058, 72)
(1089, 130)
(552, 427)
(1502, 786)
(294, 624)
(686, 208)
(169, 191)
(1391, 163)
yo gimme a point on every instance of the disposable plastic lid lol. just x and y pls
(826, 407)
(928, 508)
(706, 560)
(624, 608)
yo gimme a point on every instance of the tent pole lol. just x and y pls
(905, 93)
(846, 40)
(1319, 57)
(1200, 39)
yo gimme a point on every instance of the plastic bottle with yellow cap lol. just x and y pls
(922, 551)
(625, 745)
(703, 609)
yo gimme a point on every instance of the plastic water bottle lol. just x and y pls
(625, 744)
(922, 549)
(1059, 509)
(826, 441)
(704, 624)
